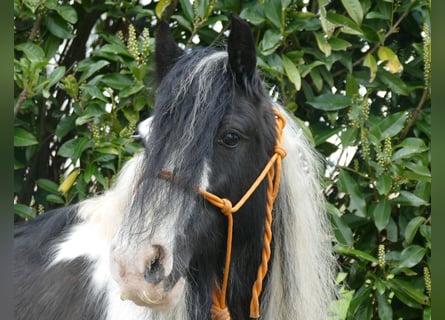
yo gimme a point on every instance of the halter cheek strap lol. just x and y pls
(272, 171)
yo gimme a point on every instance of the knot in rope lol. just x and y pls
(226, 207)
(219, 313)
(280, 151)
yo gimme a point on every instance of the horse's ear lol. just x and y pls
(241, 49)
(167, 51)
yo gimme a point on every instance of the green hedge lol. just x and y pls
(355, 73)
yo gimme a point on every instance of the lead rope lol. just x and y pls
(272, 170)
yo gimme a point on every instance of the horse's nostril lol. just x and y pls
(154, 269)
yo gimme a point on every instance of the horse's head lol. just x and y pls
(213, 129)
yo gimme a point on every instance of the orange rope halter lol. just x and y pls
(272, 170)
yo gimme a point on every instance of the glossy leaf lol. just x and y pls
(58, 27)
(348, 185)
(370, 62)
(384, 184)
(381, 213)
(408, 293)
(330, 102)
(411, 256)
(271, 41)
(410, 199)
(412, 228)
(74, 148)
(48, 185)
(23, 138)
(384, 308)
(292, 72)
(354, 9)
(24, 211)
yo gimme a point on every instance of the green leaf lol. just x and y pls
(24, 211)
(116, 49)
(342, 231)
(381, 213)
(338, 44)
(354, 9)
(409, 147)
(23, 138)
(388, 127)
(108, 150)
(361, 297)
(68, 13)
(48, 185)
(94, 111)
(412, 227)
(317, 79)
(394, 82)
(254, 13)
(116, 80)
(58, 27)
(427, 313)
(91, 68)
(323, 43)
(183, 22)
(349, 136)
(330, 102)
(187, 9)
(372, 65)
(272, 9)
(350, 186)
(64, 126)
(411, 256)
(356, 253)
(351, 86)
(322, 132)
(384, 308)
(56, 75)
(32, 51)
(338, 309)
(410, 199)
(74, 148)
(55, 199)
(383, 184)
(347, 25)
(131, 90)
(94, 92)
(420, 170)
(292, 72)
(271, 41)
(408, 293)
(392, 231)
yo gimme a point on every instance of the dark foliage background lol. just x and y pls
(356, 74)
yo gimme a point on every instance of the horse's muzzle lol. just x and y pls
(146, 278)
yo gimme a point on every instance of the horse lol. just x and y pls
(154, 246)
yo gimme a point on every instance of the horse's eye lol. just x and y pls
(230, 139)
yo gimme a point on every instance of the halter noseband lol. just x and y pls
(272, 171)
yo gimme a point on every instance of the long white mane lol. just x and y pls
(302, 280)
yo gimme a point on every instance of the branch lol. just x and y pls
(415, 114)
(35, 28)
(22, 97)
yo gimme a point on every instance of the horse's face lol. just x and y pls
(212, 129)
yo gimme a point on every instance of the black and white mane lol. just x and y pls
(152, 248)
